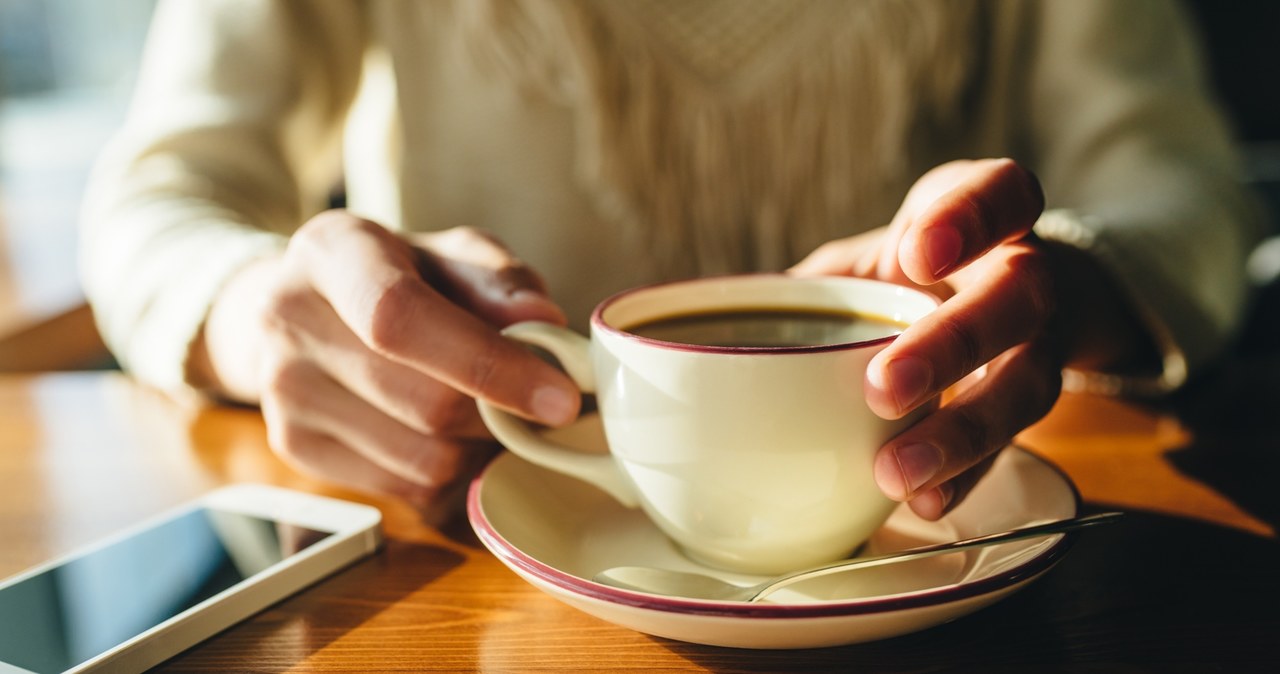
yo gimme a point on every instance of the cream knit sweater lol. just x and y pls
(618, 142)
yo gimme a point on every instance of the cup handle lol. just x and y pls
(522, 438)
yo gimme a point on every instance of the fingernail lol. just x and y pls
(941, 249)
(918, 463)
(1037, 191)
(932, 504)
(554, 405)
(533, 305)
(527, 295)
(907, 380)
(946, 492)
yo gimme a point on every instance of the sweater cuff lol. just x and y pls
(1156, 308)
(159, 351)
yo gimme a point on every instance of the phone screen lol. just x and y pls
(92, 603)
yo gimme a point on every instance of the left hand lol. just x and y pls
(1010, 321)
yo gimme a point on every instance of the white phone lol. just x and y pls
(142, 596)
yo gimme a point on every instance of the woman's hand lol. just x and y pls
(1016, 311)
(366, 352)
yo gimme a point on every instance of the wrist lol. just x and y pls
(1102, 331)
(225, 358)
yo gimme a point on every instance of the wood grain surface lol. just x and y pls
(1188, 581)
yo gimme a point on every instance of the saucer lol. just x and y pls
(557, 533)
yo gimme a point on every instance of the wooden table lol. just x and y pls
(1190, 580)
(45, 323)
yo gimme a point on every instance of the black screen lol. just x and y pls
(69, 614)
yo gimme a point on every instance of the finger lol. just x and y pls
(852, 256)
(383, 299)
(926, 190)
(1010, 303)
(416, 400)
(480, 273)
(303, 396)
(319, 456)
(932, 504)
(1020, 388)
(862, 256)
(309, 325)
(995, 202)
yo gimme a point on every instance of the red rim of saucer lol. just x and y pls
(860, 606)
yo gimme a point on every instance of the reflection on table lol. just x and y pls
(1187, 580)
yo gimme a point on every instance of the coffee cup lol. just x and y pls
(733, 410)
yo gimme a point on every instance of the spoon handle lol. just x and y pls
(1045, 529)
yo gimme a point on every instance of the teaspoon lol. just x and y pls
(699, 586)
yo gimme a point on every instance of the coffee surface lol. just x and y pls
(768, 327)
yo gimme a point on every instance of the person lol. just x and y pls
(1056, 171)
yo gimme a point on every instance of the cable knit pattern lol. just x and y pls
(738, 135)
(612, 143)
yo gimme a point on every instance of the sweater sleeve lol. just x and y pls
(1139, 169)
(230, 143)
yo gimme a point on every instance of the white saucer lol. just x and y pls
(557, 532)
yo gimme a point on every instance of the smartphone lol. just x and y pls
(140, 597)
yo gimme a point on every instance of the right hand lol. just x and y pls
(366, 352)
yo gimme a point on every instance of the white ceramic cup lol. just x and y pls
(756, 459)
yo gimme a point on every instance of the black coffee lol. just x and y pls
(765, 327)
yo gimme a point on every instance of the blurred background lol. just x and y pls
(67, 67)
(66, 71)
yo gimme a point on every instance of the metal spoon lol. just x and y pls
(698, 586)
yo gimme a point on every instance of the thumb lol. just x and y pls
(853, 256)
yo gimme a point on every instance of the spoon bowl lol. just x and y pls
(698, 586)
